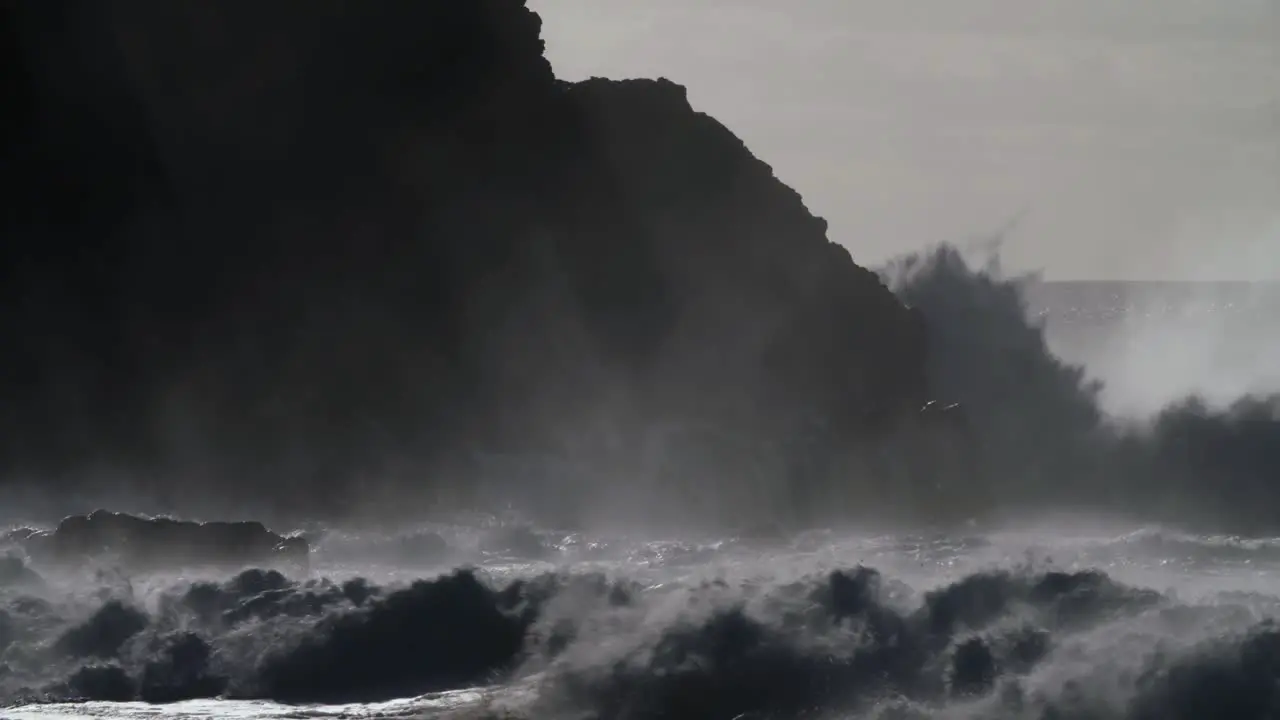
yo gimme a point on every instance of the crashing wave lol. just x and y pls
(612, 644)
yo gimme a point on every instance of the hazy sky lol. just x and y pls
(1141, 137)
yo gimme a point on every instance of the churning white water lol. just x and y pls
(1061, 619)
(1034, 624)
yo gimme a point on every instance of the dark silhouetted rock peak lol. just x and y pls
(336, 249)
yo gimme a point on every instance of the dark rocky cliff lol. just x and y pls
(308, 252)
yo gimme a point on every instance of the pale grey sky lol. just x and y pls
(1142, 137)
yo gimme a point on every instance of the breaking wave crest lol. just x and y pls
(630, 640)
(1040, 436)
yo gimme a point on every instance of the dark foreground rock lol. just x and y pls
(314, 254)
(140, 544)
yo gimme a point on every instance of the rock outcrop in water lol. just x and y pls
(141, 544)
(278, 248)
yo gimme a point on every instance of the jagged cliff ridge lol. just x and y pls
(347, 246)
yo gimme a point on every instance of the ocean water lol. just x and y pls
(1061, 623)
(1061, 617)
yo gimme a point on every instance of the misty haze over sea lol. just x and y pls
(1151, 341)
(994, 623)
(362, 365)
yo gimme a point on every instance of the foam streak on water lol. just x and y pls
(1144, 624)
(429, 705)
